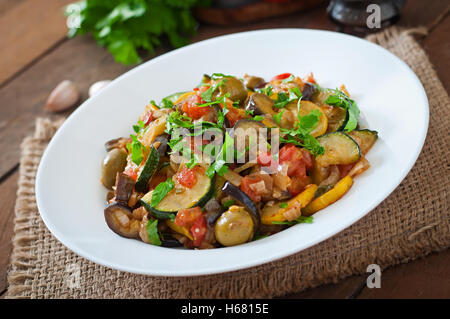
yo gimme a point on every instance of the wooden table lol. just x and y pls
(35, 55)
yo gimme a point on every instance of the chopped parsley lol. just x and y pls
(277, 117)
(284, 99)
(152, 231)
(229, 203)
(136, 149)
(283, 205)
(161, 191)
(267, 90)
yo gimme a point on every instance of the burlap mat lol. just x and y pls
(410, 223)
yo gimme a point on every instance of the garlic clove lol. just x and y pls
(63, 96)
(97, 86)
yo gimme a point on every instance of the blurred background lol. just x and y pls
(44, 42)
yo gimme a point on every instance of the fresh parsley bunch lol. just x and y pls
(124, 26)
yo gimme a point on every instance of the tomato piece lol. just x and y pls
(292, 156)
(310, 78)
(131, 171)
(298, 160)
(281, 76)
(297, 185)
(245, 187)
(266, 160)
(234, 114)
(187, 177)
(148, 118)
(287, 153)
(190, 107)
(186, 217)
(345, 169)
(198, 230)
(307, 158)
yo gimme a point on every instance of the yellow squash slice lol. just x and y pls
(329, 197)
(274, 213)
(179, 229)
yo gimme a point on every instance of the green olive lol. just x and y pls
(235, 87)
(114, 162)
(234, 227)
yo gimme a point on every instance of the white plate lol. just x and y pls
(393, 101)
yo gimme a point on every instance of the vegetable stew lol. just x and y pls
(233, 160)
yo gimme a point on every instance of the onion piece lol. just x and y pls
(233, 177)
(359, 167)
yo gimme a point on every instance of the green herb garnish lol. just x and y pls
(152, 231)
(124, 26)
(161, 191)
(229, 203)
(277, 117)
(283, 205)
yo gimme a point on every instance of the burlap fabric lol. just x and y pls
(410, 223)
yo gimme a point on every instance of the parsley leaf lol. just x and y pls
(219, 166)
(124, 26)
(136, 149)
(283, 205)
(152, 231)
(229, 203)
(161, 191)
(277, 117)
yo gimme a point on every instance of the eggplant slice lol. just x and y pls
(124, 188)
(120, 219)
(242, 198)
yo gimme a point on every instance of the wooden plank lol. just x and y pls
(344, 289)
(6, 5)
(422, 13)
(7, 201)
(28, 30)
(437, 45)
(423, 278)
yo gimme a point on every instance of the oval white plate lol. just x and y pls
(71, 199)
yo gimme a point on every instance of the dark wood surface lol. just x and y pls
(35, 55)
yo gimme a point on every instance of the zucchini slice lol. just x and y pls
(305, 108)
(147, 171)
(337, 119)
(364, 138)
(173, 202)
(340, 149)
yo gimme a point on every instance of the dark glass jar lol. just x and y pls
(363, 15)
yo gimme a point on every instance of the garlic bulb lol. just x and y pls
(97, 86)
(63, 96)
